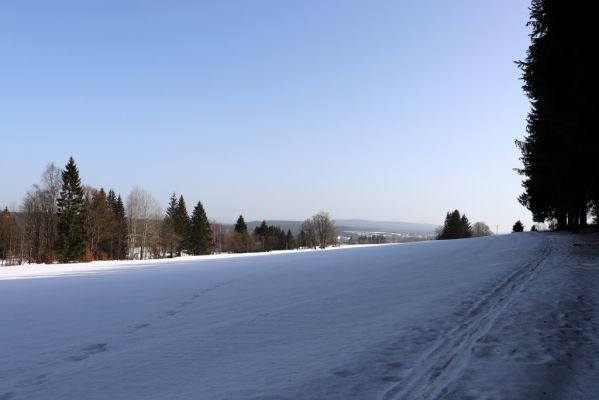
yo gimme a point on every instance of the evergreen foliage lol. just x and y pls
(289, 240)
(240, 241)
(200, 241)
(120, 247)
(170, 237)
(271, 237)
(182, 225)
(518, 227)
(456, 226)
(240, 225)
(71, 215)
(559, 153)
(8, 237)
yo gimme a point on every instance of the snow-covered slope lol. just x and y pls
(509, 317)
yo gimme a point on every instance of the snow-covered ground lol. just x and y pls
(505, 317)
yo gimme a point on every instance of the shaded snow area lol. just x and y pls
(505, 317)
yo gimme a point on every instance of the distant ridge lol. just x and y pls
(344, 225)
(384, 226)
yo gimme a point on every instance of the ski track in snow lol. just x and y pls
(438, 367)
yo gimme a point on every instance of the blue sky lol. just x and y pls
(389, 110)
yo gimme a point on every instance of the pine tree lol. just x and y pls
(71, 215)
(262, 234)
(182, 225)
(122, 247)
(559, 153)
(518, 227)
(201, 234)
(466, 227)
(240, 225)
(171, 239)
(240, 242)
(289, 240)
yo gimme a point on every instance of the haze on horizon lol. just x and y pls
(276, 110)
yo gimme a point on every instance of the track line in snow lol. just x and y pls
(447, 357)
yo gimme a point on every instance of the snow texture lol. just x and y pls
(504, 317)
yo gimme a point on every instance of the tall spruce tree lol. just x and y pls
(120, 246)
(261, 233)
(241, 226)
(169, 234)
(182, 225)
(71, 215)
(240, 242)
(200, 240)
(559, 153)
(466, 227)
(289, 240)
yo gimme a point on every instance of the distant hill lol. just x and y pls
(349, 225)
(384, 226)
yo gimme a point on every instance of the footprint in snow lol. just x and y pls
(343, 373)
(35, 381)
(136, 328)
(88, 351)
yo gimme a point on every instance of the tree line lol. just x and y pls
(559, 152)
(60, 219)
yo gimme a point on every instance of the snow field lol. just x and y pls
(509, 317)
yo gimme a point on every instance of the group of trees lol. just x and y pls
(457, 226)
(61, 219)
(318, 231)
(559, 153)
(263, 238)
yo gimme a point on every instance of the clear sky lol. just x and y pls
(388, 110)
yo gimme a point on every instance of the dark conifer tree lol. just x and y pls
(240, 225)
(466, 227)
(289, 240)
(240, 242)
(201, 234)
(182, 225)
(122, 247)
(119, 243)
(71, 215)
(261, 233)
(518, 227)
(281, 239)
(559, 153)
(171, 238)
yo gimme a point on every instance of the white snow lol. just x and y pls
(504, 317)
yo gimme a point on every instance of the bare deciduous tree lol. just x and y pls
(481, 229)
(307, 235)
(143, 214)
(324, 229)
(40, 220)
